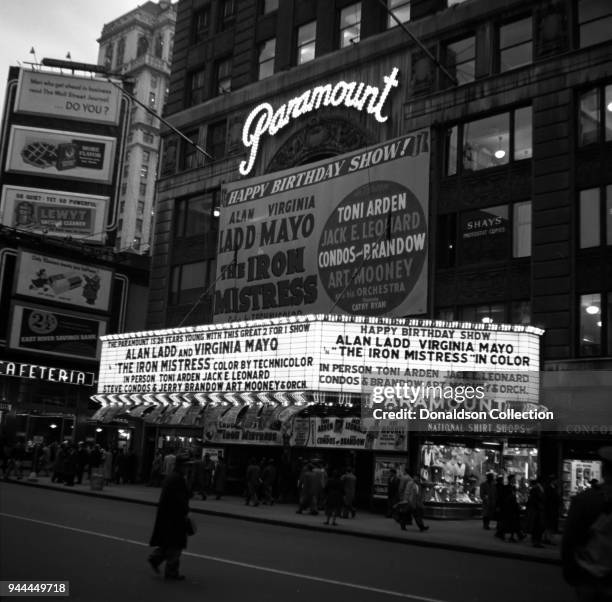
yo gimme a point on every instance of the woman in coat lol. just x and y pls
(219, 478)
(170, 529)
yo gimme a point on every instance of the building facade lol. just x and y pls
(138, 46)
(516, 97)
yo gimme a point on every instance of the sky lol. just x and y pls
(53, 28)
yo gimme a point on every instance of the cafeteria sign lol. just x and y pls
(346, 235)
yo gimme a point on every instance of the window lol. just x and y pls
(120, 53)
(226, 14)
(446, 240)
(461, 59)
(139, 226)
(401, 9)
(152, 100)
(144, 171)
(148, 138)
(120, 225)
(268, 6)
(189, 281)
(124, 188)
(521, 229)
(197, 84)
(158, 46)
(267, 52)
(595, 217)
(142, 46)
(142, 189)
(590, 324)
(189, 156)
(306, 42)
(136, 243)
(487, 142)
(154, 82)
(126, 170)
(108, 56)
(520, 312)
(146, 156)
(122, 207)
(215, 139)
(515, 44)
(484, 235)
(200, 24)
(595, 109)
(485, 314)
(350, 25)
(224, 76)
(445, 313)
(140, 207)
(595, 21)
(193, 216)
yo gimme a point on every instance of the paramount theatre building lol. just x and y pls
(451, 182)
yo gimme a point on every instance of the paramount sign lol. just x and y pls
(264, 119)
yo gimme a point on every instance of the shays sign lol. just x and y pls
(344, 235)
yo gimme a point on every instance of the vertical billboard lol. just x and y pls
(54, 212)
(344, 235)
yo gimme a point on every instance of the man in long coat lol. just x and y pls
(170, 529)
(488, 495)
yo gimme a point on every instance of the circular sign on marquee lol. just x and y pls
(372, 249)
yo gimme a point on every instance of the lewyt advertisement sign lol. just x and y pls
(68, 97)
(54, 212)
(345, 235)
(59, 154)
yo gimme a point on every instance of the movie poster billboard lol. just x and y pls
(68, 97)
(61, 281)
(40, 330)
(344, 235)
(54, 212)
(59, 154)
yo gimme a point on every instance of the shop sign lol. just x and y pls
(68, 97)
(264, 119)
(54, 213)
(323, 353)
(60, 154)
(345, 235)
(47, 373)
(60, 281)
(485, 234)
(39, 330)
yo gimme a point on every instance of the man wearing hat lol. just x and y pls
(586, 550)
(170, 529)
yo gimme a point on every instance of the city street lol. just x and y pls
(101, 547)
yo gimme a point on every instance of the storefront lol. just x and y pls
(301, 387)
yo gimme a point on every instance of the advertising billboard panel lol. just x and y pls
(344, 235)
(40, 330)
(59, 154)
(68, 97)
(58, 280)
(54, 212)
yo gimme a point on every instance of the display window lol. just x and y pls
(452, 473)
(578, 475)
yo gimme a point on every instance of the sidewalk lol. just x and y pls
(466, 536)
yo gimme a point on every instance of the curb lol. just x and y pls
(307, 527)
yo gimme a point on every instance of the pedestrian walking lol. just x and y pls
(488, 495)
(334, 492)
(586, 549)
(411, 502)
(108, 467)
(536, 513)
(349, 482)
(219, 478)
(70, 466)
(511, 512)
(392, 492)
(156, 478)
(253, 481)
(308, 486)
(169, 535)
(552, 501)
(268, 477)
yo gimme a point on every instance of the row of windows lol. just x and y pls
(190, 280)
(197, 215)
(215, 145)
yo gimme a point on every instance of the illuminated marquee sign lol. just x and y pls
(325, 353)
(264, 119)
(54, 375)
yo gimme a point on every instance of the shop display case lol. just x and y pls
(576, 477)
